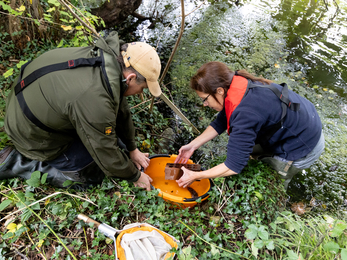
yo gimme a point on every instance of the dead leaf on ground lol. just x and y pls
(298, 208)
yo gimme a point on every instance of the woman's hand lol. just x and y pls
(187, 178)
(184, 153)
(139, 158)
(187, 151)
(144, 181)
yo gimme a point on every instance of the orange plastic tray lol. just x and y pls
(169, 189)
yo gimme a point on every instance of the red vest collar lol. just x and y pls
(234, 96)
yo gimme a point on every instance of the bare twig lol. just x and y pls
(196, 8)
(42, 255)
(175, 47)
(337, 6)
(20, 254)
(146, 101)
(172, 53)
(179, 16)
(145, 108)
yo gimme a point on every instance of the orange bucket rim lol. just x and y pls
(203, 196)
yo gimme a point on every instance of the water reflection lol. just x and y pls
(317, 38)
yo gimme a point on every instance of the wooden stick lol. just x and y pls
(172, 53)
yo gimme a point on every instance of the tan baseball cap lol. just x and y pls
(145, 60)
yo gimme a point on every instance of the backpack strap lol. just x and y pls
(283, 96)
(23, 83)
(285, 104)
(71, 64)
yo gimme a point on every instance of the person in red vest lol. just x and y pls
(263, 119)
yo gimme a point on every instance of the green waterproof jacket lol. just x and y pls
(87, 101)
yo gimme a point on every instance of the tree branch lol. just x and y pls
(78, 18)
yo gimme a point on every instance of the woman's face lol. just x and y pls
(208, 100)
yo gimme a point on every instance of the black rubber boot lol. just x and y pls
(14, 164)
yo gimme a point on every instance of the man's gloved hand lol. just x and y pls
(144, 181)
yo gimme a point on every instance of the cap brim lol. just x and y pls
(154, 88)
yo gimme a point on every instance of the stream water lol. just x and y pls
(301, 42)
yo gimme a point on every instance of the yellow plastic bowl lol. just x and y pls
(169, 189)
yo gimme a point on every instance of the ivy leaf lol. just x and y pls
(251, 232)
(290, 226)
(8, 73)
(344, 254)
(56, 209)
(36, 206)
(4, 6)
(60, 43)
(37, 22)
(44, 178)
(338, 229)
(21, 63)
(5, 204)
(109, 241)
(7, 235)
(331, 247)
(259, 195)
(26, 215)
(273, 226)
(214, 250)
(34, 180)
(270, 244)
(258, 243)
(207, 237)
(67, 183)
(186, 253)
(254, 250)
(262, 233)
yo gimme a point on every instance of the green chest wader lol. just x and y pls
(14, 164)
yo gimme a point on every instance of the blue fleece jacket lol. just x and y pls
(257, 111)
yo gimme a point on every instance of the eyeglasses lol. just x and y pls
(205, 99)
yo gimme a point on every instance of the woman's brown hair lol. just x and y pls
(215, 74)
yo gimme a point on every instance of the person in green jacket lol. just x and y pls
(67, 114)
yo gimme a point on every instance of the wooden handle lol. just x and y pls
(88, 220)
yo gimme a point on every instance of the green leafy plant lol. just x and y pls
(314, 237)
(261, 238)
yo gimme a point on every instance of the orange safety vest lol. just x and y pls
(234, 96)
(237, 90)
